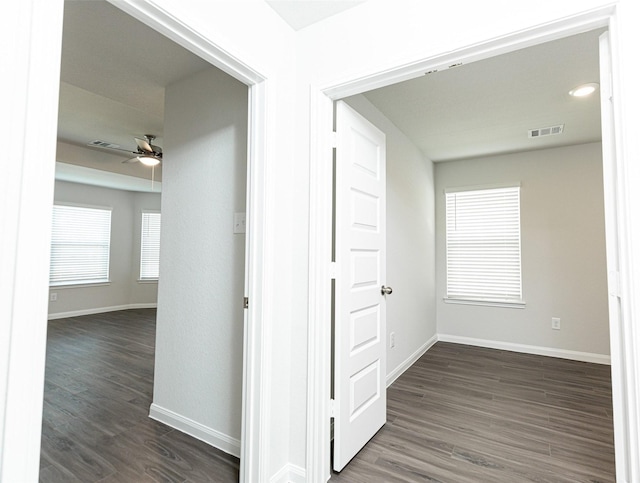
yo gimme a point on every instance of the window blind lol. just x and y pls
(80, 242)
(150, 246)
(483, 245)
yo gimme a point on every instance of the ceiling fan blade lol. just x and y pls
(156, 149)
(144, 145)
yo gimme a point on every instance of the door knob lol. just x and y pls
(386, 290)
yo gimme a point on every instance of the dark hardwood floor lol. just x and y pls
(98, 389)
(467, 414)
(460, 414)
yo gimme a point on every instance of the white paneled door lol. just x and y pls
(360, 401)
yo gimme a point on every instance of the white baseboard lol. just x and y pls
(100, 310)
(219, 440)
(289, 474)
(397, 372)
(528, 349)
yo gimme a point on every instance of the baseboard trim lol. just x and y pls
(528, 349)
(397, 372)
(199, 431)
(289, 474)
(100, 310)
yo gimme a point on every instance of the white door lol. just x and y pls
(360, 401)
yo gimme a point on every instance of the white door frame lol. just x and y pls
(30, 187)
(254, 402)
(26, 200)
(321, 175)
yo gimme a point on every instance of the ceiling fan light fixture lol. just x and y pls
(584, 90)
(148, 160)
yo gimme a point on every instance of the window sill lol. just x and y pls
(61, 286)
(147, 280)
(486, 303)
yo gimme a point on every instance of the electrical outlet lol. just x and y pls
(392, 340)
(53, 297)
(555, 323)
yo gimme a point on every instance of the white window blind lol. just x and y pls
(483, 245)
(150, 246)
(80, 245)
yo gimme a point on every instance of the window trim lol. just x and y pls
(482, 301)
(485, 302)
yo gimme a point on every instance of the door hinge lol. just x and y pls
(246, 303)
(333, 270)
(610, 88)
(332, 408)
(334, 139)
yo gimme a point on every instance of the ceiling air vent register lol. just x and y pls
(103, 144)
(546, 131)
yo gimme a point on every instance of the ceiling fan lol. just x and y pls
(147, 153)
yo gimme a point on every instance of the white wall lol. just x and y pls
(29, 100)
(564, 271)
(124, 290)
(411, 309)
(199, 334)
(380, 34)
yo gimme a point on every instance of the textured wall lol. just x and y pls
(198, 370)
(563, 250)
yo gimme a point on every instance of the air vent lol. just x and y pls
(103, 144)
(546, 131)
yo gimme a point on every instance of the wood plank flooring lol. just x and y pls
(460, 414)
(466, 414)
(98, 389)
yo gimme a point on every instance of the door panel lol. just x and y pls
(360, 357)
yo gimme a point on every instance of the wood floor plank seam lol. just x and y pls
(470, 414)
(460, 414)
(96, 425)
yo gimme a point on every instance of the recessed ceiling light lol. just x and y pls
(584, 90)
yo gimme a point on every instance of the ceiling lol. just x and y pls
(114, 72)
(302, 13)
(488, 107)
(115, 69)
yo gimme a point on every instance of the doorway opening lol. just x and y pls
(241, 202)
(346, 90)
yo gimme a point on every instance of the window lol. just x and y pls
(483, 246)
(150, 246)
(80, 241)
